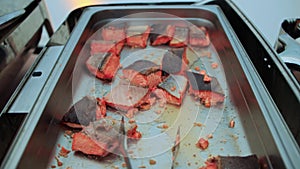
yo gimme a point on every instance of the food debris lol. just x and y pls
(131, 121)
(210, 136)
(206, 78)
(157, 111)
(131, 112)
(214, 65)
(202, 143)
(152, 162)
(203, 72)
(64, 152)
(142, 166)
(198, 124)
(59, 163)
(197, 68)
(231, 123)
(124, 165)
(235, 137)
(115, 167)
(194, 155)
(173, 88)
(53, 166)
(223, 141)
(69, 168)
(164, 126)
(69, 133)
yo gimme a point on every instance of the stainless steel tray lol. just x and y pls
(38, 145)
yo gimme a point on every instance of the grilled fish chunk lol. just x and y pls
(103, 65)
(210, 93)
(137, 36)
(161, 34)
(175, 61)
(102, 137)
(86, 110)
(143, 73)
(199, 37)
(125, 97)
(102, 46)
(180, 38)
(114, 32)
(172, 89)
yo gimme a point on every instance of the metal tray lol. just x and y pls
(37, 144)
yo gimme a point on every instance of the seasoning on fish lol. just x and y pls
(102, 46)
(114, 32)
(143, 73)
(180, 38)
(125, 97)
(210, 93)
(137, 36)
(161, 34)
(175, 61)
(86, 110)
(232, 162)
(172, 89)
(103, 65)
(198, 36)
(99, 138)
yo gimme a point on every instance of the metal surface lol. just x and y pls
(246, 101)
(7, 19)
(18, 42)
(123, 146)
(291, 53)
(31, 90)
(275, 75)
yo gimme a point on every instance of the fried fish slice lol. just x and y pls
(199, 37)
(114, 32)
(137, 36)
(100, 137)
(161, 34)
(124, 97)
(143, 73)
(175, 61)
(209, 92)
(86, 110)
(103, 65)
(180, 38)
(102, 46)
(172, 89)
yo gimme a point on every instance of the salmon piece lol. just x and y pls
(86, 110)
(83, 143)
(133, 133)
(103, 65)
(125, 97)
(199, 37)
(115, 33)
(232, 162)
(180, 38)
(175, 61)
(161, 34)
(172, 89)
(202, 144)
(102, 46)
(210, 93)
(137, 36)
(102, 137)
(143, 73)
